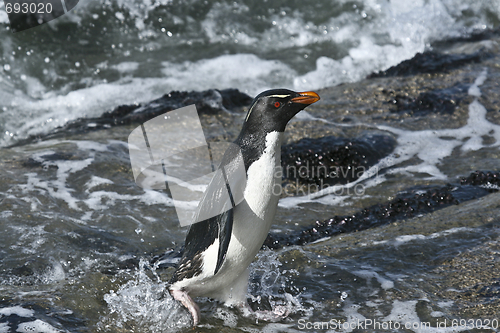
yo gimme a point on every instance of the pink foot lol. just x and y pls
(188, 303)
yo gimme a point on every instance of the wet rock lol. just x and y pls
(431, 62)
(436, 101)
(406, 205)
(208, 102)
(489, 180)
(39, 162)
(474, 36)
(333, 160)
(22, 316)
(472, 276)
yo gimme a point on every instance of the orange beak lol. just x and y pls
(307, 97)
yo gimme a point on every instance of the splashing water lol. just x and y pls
(145, 304)
(270, 284)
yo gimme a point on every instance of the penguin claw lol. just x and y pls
(188, 303)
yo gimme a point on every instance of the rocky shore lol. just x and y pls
(421, 138)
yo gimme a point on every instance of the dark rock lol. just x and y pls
(491, 291)
(474, 36)
(489, 180)
(207, 102)
(435, 101)
(332, 160)
(406, 205)
(32, 163)
(431, 62)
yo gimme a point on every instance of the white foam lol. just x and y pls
(405, 313)
(58, 188)
(409, 238)
(26, 116)
(219, 30)
(96, 181)
(247, 72)
(445, 304)
(16, 310)
(88, 145)
(352, 316)
(368, 274)
(6, 214)
(437, 314)
(126, 66)
(410, 26)
(38, 326)
(4, 18)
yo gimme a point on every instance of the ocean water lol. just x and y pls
(78, 236)
(106, 53)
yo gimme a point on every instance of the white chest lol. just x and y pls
(264, 178)
(254, 216)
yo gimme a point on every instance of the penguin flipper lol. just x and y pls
(200, 237)
(225, 230)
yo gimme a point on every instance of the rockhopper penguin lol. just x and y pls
(219, 250)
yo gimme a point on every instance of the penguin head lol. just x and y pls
(271, 110)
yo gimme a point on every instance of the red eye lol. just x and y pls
(277, 104)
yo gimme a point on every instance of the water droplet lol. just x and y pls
(6, 67)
